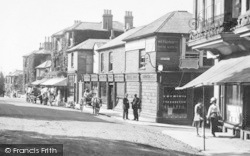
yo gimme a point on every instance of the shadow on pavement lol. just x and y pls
(40, 113)
(88, 146)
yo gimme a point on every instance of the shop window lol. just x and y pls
(111, 61)
(142, 59)
(102, 62)
(174, 103)
(233, 104)
(103, 91)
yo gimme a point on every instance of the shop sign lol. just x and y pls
(167, 44)
(94, 77)
(132, 77)
(110, 78)
(86, 77)
(119, 78)
(103, 77)
(149, 77)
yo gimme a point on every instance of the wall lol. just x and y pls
(118, 60)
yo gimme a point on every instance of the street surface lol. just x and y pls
(82, 133)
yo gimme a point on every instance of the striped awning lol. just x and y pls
(38, 82)
(55, 82)
(229, 70)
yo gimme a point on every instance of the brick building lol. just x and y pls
(151, 61)
(78, 33)
(33, 59)
(80, 61)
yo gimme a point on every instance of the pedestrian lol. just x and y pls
(136, 104)
(96, 104)
(198, 109)
(213, 115)
(125, 107)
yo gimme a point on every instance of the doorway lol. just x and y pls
(246, 107)
(111, 96)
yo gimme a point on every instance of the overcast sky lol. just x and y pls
(25, 23)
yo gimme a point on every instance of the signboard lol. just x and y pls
(149, 77)
(86, 77)
(94, 77)
(168, 44)
(110, 78)
(119, 78)
(174, 103)
(132, 77)
(103, 77)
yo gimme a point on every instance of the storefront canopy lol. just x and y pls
(230, 70)
(38, 82)
(55, 82)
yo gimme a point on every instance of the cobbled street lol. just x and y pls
(82, 133)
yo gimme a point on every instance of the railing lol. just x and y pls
(213, 26)
(243, 20)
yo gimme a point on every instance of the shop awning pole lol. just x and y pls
(204, 137)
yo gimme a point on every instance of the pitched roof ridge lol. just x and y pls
(166, 20)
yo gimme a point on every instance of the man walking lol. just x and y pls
(136, 104)
(125, 107)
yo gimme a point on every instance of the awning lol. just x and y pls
(55, 82)
(38, 82)
(229, 70)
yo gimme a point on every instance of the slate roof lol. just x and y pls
(45, 64)
(117, 26)
(118, 41)
(88, 44)
(172, 22)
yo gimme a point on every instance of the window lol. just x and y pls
(142, 59)
(236, 8)
(111, 61)
(102, 62)
(233, 104)
(72, 59)
(248, 5)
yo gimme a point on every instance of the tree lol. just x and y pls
(1, 84)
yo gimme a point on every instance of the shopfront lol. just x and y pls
(103, 88)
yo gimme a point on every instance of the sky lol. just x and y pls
(25, 23)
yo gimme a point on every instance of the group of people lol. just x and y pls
(90, 98)
(212, 117)
(136, 106)
(46, 96)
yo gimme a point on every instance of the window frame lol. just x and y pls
(111, 61)
(142, 56)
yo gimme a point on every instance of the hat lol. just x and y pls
(213, 99)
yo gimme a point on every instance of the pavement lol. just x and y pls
(224, 144)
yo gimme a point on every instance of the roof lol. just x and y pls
(88, 44)
(55, 82)
(117, 26)
(15, 73)
(45, 64)
(41, 51)
(118, 41)
(173, 22)
(229, 70)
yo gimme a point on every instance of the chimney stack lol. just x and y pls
(128, 20)
(107, 20)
